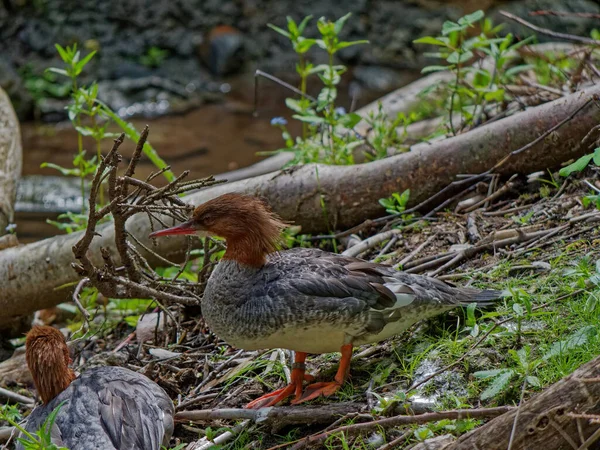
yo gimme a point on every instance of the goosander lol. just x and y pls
(106, 408)
(305, 299)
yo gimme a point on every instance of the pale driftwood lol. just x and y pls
(10, 160)
(31, 273)
(551, 420)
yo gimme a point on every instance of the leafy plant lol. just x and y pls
(500, 379)
(384, 133)
(154, 57)
(90, 117)
(396, 203)
(323, 124)
(581, 163)
(42, 438)
(473, 86)
(577, 339)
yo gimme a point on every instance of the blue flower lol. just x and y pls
(340, 111)
(278, 121)
(11, 227)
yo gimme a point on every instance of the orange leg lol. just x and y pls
(329, 388)
(295, 387)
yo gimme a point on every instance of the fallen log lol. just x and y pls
(10, 160)
(32, 273)
(565, 415)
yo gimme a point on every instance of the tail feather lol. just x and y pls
(483, 298)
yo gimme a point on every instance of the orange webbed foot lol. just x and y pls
(316, 390)
(295, 387)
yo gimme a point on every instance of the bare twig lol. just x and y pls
(371, 242)
(14, 397)
(554, 34)
(415, 252)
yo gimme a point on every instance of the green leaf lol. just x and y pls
(350, 120)
(327, 95)
(597, 156)
(62, 52)
(470, 19)
(533, 381)
(318, 68)
(339, 24)
(577, 339)
(485, 374)
(309, 119)
(279, 30)
(498, 385)
(430, 69)
(303, 24)
(293, 104)
(577, 166)
(132, 133)
(471, 321)
(449, 27)
(303, 45)
(518, 309)
(81, 64)
(63, 170)
(346, 44)
(432, 41)
(517, 69)
(292, 26)
(58, 71)
(457, 58)
(494, 96)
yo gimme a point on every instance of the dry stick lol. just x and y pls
(504, 189)
(589, 441)
(13, 396)
(416, 251)
(387, 247)
(514, 427)
(547, 32)
(6, 433)
(370, 243)
(479, 413)
(564, 14)
(205, 444)
(506, 211)
(197, 399)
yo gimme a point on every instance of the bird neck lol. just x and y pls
(52, 381)
(249, 250)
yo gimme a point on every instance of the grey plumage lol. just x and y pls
(312, 301)
(109, 408)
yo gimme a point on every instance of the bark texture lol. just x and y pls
(32, 273)
(10, 160)
(549, 420)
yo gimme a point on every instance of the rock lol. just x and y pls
(223, 50)
(146, 327)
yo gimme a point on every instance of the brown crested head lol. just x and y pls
(48, 360)
(252, 230)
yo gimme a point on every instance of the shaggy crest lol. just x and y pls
(48, 360)
(247, 223)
